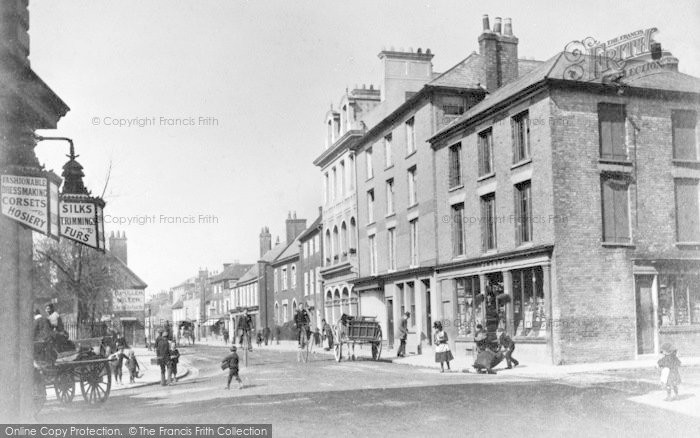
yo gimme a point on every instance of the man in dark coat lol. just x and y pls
(42, 334)
(266, 334)
(506, 342)
(301, 321)
(245, 325)
(163, 355)
(403, 334)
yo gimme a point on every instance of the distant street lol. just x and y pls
(365, 398)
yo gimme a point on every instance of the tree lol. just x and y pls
(75, 274)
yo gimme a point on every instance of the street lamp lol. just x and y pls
(81, 215)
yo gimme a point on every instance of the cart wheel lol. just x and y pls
(377, 347)
(338, 350)
(95, 383)
(64, 385)
(38, 391)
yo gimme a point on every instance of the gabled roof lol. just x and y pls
(136, 282)
(290, 251)
(251, 274)
(231, 272)
(562, 69)
(469, 72)
(315, 225)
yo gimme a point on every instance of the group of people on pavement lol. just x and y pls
(167, 357)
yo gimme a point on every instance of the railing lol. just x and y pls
(86, 329)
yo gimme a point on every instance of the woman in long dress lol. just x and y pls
(442, 350)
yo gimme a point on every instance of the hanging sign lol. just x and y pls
(79, 222)
(25, 199)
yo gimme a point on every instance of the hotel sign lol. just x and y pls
(129, 300)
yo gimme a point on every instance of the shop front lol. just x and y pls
(512, 293)
(667, 301)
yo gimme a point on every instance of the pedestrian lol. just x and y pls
(133, 365)
(117, 365)
(266, 334)
(245, 325)
(174, 360)
(480, 338)
(327, 335)
(54, 318)
(506, 343)
(259, 338)
(442, 349)
(670, 376)
(225, 333)
(278, 332)
(163, 356)
(231, 362)
(403, 334)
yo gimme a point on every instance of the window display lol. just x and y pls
(679, 300)
(468, 313)
(529, 316)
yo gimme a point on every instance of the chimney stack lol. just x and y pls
(117, 246)
(500, 52)
(497, 25)
(294, 227)
(265, 241)
(485, 21)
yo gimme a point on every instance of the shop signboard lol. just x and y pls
(25, 199)
(79, 222)
(128, 300)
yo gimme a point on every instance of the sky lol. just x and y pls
(210, 112)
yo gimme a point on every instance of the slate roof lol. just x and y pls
(560, 67)
(136, 282)
(231, 272)
(469, 72)
(269, 257)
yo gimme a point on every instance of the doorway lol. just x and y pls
(645, 314)
(390, 322)
(429, 318)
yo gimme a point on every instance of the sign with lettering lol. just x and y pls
(129, 300)
(25, 199)
(79, 222)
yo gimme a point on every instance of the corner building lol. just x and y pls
(568, 210)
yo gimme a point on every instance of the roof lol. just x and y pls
(136, 282)
(562, 69)
(469, 72)
(315, 225)
(269, 257)
(290, 251)
(177, 305)
(231, 272)
(251, 274)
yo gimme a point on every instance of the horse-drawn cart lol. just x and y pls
(352, 331)
(62, 370)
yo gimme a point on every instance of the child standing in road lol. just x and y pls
(231, 362)
(174, 359)
(133, 365)
(670, 377)
(442, 350)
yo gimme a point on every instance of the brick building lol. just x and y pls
(576, 196)
(310, 264)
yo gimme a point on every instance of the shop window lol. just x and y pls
(468, 314)
(528, 303)
(684, 136)
(611, 127)
(679, 300)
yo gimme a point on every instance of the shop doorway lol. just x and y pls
(390, 322)
(645, 314)
(428, 316)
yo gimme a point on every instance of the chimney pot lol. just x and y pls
(419, 51)
(508, 27)
(497, 25)
(485, 22)
(427, 51)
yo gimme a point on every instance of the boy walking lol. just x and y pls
(670, 377)
(231, 361)
(133, 366)
(174, 360)
(506, 342)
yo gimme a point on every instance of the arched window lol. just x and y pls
(337, 312)
(327, 249)
(353, 236)
(277, 313)
(336, 243)
(328, 306)
(354, 304)
(294, 276)
(343, 240)
(294, 306)
(345, 302)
